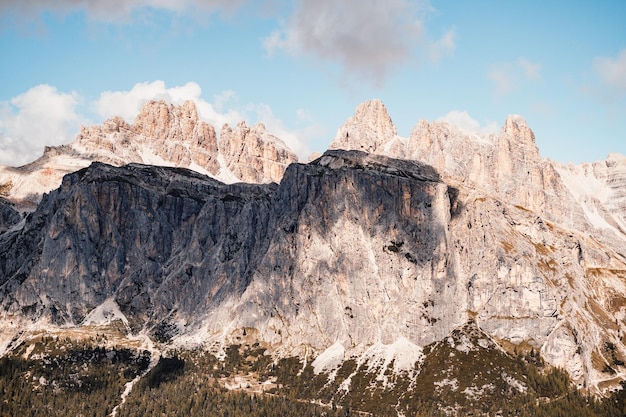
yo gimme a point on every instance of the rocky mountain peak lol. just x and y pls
(162, 134)
(369, 129)
(515, 127)
(507, 165)
(254, 154)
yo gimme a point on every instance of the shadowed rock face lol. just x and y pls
(352, 249)
(8, 215)
(165, 240)
(157, 239)
(358, 250)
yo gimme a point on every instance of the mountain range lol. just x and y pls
(376, 252)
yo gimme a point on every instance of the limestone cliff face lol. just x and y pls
(164, 135)
(172, 133)
(360, 256)
(8, 215)
(355, 254)
(157, 240)
(600, 188)
(369, 130)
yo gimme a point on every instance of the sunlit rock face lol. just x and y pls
(252, 154)
(507, 165)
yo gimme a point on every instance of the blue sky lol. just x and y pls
(302, 66)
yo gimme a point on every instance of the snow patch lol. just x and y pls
(595, 218)
(150, 158)
(452, 383)
(105, 313)
(583, 184)
(330, 359)
(402, 353)
(465, 344)
(514, 383)
(475, 392)
(225, 174)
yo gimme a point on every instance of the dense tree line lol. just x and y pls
(65, 378)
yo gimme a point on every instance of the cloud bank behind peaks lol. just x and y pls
(44, 116)
(39, 117)
(367, 37)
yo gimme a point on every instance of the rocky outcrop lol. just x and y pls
(254, 155)
(172, 135)
(8, 215)
(600, 188)
(358, 257)
(372, 256)
(507, 166)
(158, 240)
(163, 135)
(370, 130)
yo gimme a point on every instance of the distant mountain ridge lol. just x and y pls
(588, 197)
(162, 134)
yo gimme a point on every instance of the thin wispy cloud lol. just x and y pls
(502, 78)
(508, 77)
(367, 38)
(531, 69)
(444, 46)
(612, 71)
(114, 10)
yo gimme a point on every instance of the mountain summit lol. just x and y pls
(444, 243)
(164, 135)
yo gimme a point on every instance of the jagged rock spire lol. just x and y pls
(368, 130)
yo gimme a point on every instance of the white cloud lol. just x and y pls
(367, 37)
(446, 45)
(612, 71)
(464, 121)
(503, 79)
(39, 117)
(127, 104)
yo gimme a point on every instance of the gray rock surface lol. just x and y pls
(9, 217)
(355, 254)
(158, 240)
